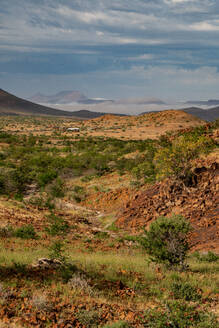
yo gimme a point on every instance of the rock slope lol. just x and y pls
(198, 202)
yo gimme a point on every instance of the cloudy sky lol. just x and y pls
(167, 49)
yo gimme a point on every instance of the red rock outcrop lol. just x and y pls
(199, 203)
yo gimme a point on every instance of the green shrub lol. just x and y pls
(45, 177)
(79, 193)
(208, 257)
(67, 270)
(19, 197)
(135, 184)
(101, 235)
(166, 241)
(113, 227)
(19, 267)
(57, 226)
(118, 324)
(25, 232)
(178, 315)
(42, 202)
(87, 178)
(184, 290)
(175, 160)
(2, 184)
(57, 188)
(88, 318)
(13, 180)
(56, 251)
(144, 170)
(6, 231)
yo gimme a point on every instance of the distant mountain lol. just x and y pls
(140, 101)
(12, 105)
(64, 97)
(90, 101)
(210, 102)
(87, 114)
(210, 114)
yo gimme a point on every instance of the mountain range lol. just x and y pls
(12, 105)
(68, 97)
(209, 114)
(210, 102)
(65, 97)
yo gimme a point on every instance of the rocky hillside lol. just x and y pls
(198, 202)
(150, 125)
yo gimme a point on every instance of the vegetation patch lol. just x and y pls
(167, 241)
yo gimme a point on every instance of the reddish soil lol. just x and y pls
(198, 203)
(150, 125)
(108, 201)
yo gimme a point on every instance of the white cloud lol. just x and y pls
(206, 26)
(137, 82)
(141, 57)
(99, 33)
(47, 26)
(189, 6)
(179, 1)
(120, 33)
(164, 82)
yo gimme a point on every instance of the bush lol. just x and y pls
(118, 324)
(175, 160)
(13, 181)
(178, 315)
(184, 290)
(101, 235)
(166, 241)
(45, 177)
(25, 232)
(80, 283)
(79, 193)
(88, 318)
(113, 227)
(56, 251)
(6, 231)
(57, 226)
(144, 170)
(208, 257)
(57, 188)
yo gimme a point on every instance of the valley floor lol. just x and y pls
(71, 208)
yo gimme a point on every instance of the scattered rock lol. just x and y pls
(198, 203)
(47, 263)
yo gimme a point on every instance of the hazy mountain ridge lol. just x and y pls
(71, 96)
(210, 114)
(62, 97)
(210, 102)
(12, 105)
(65, 97)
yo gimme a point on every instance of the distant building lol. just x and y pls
(73, 129)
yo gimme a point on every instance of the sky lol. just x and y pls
(168, 49)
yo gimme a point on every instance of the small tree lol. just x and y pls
(167, 240)
(176, 160)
